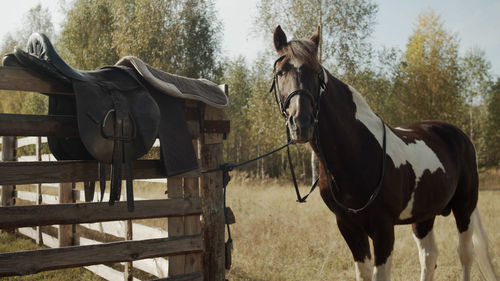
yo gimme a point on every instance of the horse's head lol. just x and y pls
(298, 78)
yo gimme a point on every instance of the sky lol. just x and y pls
(475, 22)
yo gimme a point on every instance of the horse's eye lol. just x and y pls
(279, 73)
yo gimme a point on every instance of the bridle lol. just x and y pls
(283, 105)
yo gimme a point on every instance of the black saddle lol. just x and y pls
(118, 119)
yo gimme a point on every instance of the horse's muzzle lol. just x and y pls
(301, 128)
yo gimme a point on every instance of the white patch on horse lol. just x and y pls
(420, 156)
(403, 129)
(364, 270)
(296, 63)
(383, 272)
(427, 254)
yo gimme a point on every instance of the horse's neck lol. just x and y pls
(351, 134)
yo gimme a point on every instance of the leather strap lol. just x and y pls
(103, 170)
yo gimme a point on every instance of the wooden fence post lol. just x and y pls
(65, 232)
(175, 227)
(38, 151)
(8, 154)
(212, 202)
(128, 273)
(192, 224)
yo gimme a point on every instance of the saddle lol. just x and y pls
(120, 111)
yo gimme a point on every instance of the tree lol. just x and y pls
(236, 75)
(92, 47)
(267, 128)
(180, 37)
(37, 19)
(345, 26)
(492, 130)
(476, 86)
(428, 83)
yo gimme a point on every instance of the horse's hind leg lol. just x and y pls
(427, 249)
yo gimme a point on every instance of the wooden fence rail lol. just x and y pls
(29, 262)
(22, 216)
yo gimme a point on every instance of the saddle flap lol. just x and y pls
(97, 102)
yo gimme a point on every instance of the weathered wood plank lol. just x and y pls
(21, 79)
(8, 154)
(39, 194)
(74, 170)
(29, 262)
(59, 126)
(38, 125)
(65, 232)
(192, 224)
(212, 201)
(128, 273)
(175, 227)
(196, 276)
(20, 216)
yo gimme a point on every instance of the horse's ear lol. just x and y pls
(316, 36)
(280, 40)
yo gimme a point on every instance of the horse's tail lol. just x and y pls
(480, 241)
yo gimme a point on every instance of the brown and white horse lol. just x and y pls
(372, 176)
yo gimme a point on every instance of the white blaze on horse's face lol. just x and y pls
(297, 83)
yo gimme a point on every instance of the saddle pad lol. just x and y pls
(177, 86)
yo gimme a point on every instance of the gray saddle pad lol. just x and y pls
(178, 86)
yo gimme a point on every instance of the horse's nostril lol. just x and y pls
(291, 122)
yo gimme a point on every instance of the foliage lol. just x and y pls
(177, 36)
(492, 130)
(428, 84)
(237, 77)
(37, 19)
(346, 27)
(476, 83)
(88, 48)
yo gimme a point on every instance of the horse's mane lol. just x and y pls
(304, 51)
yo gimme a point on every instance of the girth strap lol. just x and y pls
(122, 151)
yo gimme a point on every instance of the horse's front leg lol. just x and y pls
(383, 244)
(357, 240)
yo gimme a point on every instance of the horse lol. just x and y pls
(374, 176)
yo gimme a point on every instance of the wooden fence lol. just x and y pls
(194, 243)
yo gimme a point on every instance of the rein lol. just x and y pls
(321, 90)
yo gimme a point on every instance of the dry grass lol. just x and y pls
(489, 178)
(276, 238)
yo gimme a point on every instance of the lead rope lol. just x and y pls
(226, 168)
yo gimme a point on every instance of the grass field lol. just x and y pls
(276, 238)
